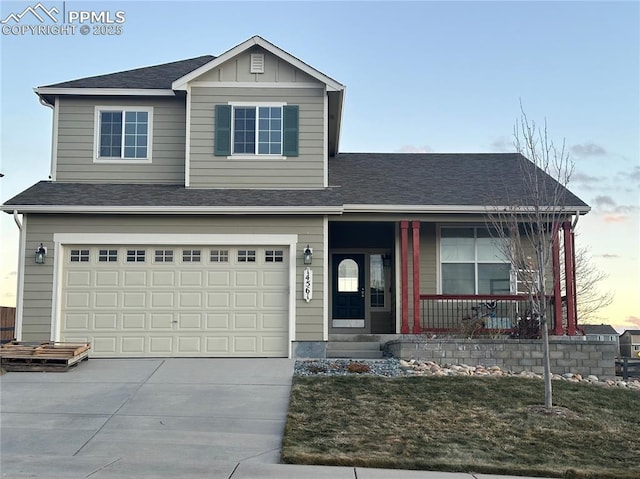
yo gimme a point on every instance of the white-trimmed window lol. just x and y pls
(471, 262)
(257, 130)
(123, 133)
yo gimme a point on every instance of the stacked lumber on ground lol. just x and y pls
(48, 356)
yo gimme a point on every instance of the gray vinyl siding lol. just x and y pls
(38, 279)
(75, 145)
(303, 171)
(238, 70)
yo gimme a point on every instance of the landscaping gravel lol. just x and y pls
(392, 367)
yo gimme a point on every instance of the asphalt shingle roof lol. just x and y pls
(153, 77)
(492, 179)
(386, 179)
(47, 193)
(598, 329)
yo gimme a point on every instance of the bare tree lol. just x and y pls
(591, 299)
(527, 227)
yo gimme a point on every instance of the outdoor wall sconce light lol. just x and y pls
(41, 252)
(307, 255)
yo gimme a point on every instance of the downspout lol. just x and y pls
(54, 133)
(17, 332)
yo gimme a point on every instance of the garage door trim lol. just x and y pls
(122, 239)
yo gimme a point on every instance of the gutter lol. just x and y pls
(20, 275)
(178, 210)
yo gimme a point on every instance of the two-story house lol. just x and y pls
(630, 343)
(202, 208)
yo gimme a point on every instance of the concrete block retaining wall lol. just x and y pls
(567, 356)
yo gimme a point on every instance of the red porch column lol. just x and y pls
(415, 225)
(558, 329)
(570, 286)
(404, 275)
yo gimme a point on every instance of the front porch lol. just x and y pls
(412, 277)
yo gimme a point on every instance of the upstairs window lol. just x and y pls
(255, 130)
(123, 133)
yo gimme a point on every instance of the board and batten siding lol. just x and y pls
(303, 171)
(38, 279)
(76, 137)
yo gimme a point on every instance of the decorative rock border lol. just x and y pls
(394, 368)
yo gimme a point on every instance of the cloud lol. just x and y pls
(586, 180)
(604, 201)
(607, 256)
(588, 149)
(633, 320)
(615, 218)
(502, 144)
(635, 174)
(415, 149)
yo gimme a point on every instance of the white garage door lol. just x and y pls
(177, 300)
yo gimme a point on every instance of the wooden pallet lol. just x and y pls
(49, 356)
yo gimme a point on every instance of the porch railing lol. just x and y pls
(450, 313)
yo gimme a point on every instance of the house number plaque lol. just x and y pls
(307, 284)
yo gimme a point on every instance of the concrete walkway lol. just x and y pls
(157, 418)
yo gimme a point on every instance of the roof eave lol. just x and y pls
(381, 208)
(174, 210)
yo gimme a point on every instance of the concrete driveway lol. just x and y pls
(144, 418)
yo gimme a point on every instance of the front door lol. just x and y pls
(348, 289)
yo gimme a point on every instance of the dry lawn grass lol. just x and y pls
(484, 425)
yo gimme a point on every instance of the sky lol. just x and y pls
(421, 76)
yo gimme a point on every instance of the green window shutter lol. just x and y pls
(222, 145)
(290, 134)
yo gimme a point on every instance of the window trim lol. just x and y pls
(476, 262)
(256, 105)
(98, 109)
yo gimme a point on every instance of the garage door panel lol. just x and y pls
(77, 321)
(132, 299)
(191, 278)
(216, 303)
(77, 299)
(162, 278)
(78, 278)
(246, 279)
(221, 279)
(131, 344)
(162, 321)
(218, 321)
(247, 321)
(133, 320)
(245, 344)
(162, 299)
(189, 300)
(106, 278)
(189, 344)
(189, 320)
(246, 300)
(273, 344)
(135, 278)
(161, 345)
(105, 321)
(106, 299)
(217, 345)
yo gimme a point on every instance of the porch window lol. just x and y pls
(376, 273)
(471, 262)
